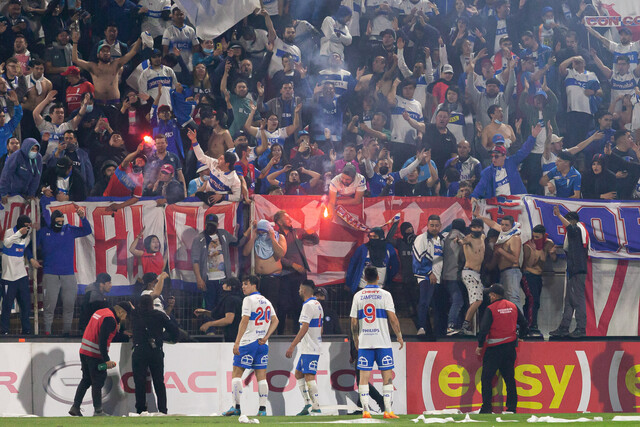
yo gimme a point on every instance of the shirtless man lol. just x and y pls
(106, 73)
(508, 248)
(536, 252)
(473, 246)
(269, 248)
(220, 139)
(39, 86)
(496, 127)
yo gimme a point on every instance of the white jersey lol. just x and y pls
(278, 136)
(631, 51)
(152, 20)
(312, 314)
(370, 307)
(356, 7)
(400, 128)
(271, 6)
(56, 134)
(257, 45)
(336, 37)
(184, 39)
(340, 79)
(220, 182)
(358, 184)
(260, 311)
(575, 84)
(151, 78)
(622, 84)
(279, 49)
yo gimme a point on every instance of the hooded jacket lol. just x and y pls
(362, 257)
(58, 249)
(170, 130)
(21, 175)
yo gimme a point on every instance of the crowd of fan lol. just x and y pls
(351, 98)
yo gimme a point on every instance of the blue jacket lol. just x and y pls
(486, 187)
(86, 169)
(181, 107)
(360, 259)
(7, 130)
(58, 250)
(170, 130)
(21, 175)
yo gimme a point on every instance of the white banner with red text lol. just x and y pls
(41, 379)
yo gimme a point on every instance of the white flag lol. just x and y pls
(213, 17)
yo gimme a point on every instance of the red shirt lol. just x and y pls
(91, 338)
(152, 262)
(124, 183)
(75, 94)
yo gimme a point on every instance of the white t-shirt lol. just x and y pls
(575, 84)
(279, 49)
(271, 6)
(157, 302)
(151, 78)
(542, 136)
(502, 183)
(56, 134)
(400, 128)
(184, 39)
(152, 20)
(370, 307)
(339, 78)
(257, 45)
(358, 184)
(501, 31)
(631, 51)
(312, 314)
(278, 136)
(356, 7)
(260, 311)
(622, 84)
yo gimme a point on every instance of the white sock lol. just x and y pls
(263, 392)
(364, 397)
(302, 385)
(313, 393)
(236, 390)
(387, 390)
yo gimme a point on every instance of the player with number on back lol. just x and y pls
(251, 350)
(370, 310)
(310, 338)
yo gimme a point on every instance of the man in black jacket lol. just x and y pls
(94, 298)
(404, 247)
(227, 312)
(148, 325)
(64, 182)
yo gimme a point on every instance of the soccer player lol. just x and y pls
(370, 310)
(251, 350)
(309, 338)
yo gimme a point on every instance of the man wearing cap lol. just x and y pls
(576, 247)
(498, 330)
(94, 351)
(346, 188)
(127, 180)
(166, 186)
(161, 157)
(211, 259)
(62, 182)
(492, 95)
(180, 36)
(539, 51)
(502, 178)
(78, 86)
(157, 75)
(106, 72)
(623, 80)
(22, 171)
(16, 245)
(626, 47)
(196, 184)
(441, 85)
(94, 298)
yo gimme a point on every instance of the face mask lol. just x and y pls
(476, 234)
(56, 227)
(89, 108)
(210, 229)
(208, 51)
(548, 21)
(384, 170)
(137, 169)
(33, 154)
(498, 122)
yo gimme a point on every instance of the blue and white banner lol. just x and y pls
(213, 17)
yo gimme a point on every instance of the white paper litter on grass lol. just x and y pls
(4, 415)
(356, 421)
(548, 419)
(500, 420)
(467, 419)
(432, 420)
(443, 412)
(626, 418)
(245, 420)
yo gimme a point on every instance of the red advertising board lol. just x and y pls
(550, 377)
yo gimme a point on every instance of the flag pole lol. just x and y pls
(34, 271)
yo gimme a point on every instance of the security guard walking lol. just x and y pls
(147, 326)
(499, 327)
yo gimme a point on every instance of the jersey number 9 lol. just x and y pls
(369, 313)
(264, 316)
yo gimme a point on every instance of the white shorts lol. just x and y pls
(472, 282)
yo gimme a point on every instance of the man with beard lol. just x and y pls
(106, 73)
(474, 247)
(81, 163)
(38, 86)
(211, 260)
(182, 37)
(281, 46)
(626, 47)
(492, 95)
(294, 267)
(158, 75)
(376, 252)
(381, 179)
(127, 180)
(63, 182)
(404, 248)
(13, 145)
(56, 245)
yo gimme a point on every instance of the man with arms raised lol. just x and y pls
(370, 310)
(106, 73)
(251, 350)
(310, 339)
(473, 246)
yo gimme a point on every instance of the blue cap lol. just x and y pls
(541, 93)
(547, 9)
(302, 132)
(498, 139)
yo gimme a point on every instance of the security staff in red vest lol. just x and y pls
(94, 351)
(499, 327)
